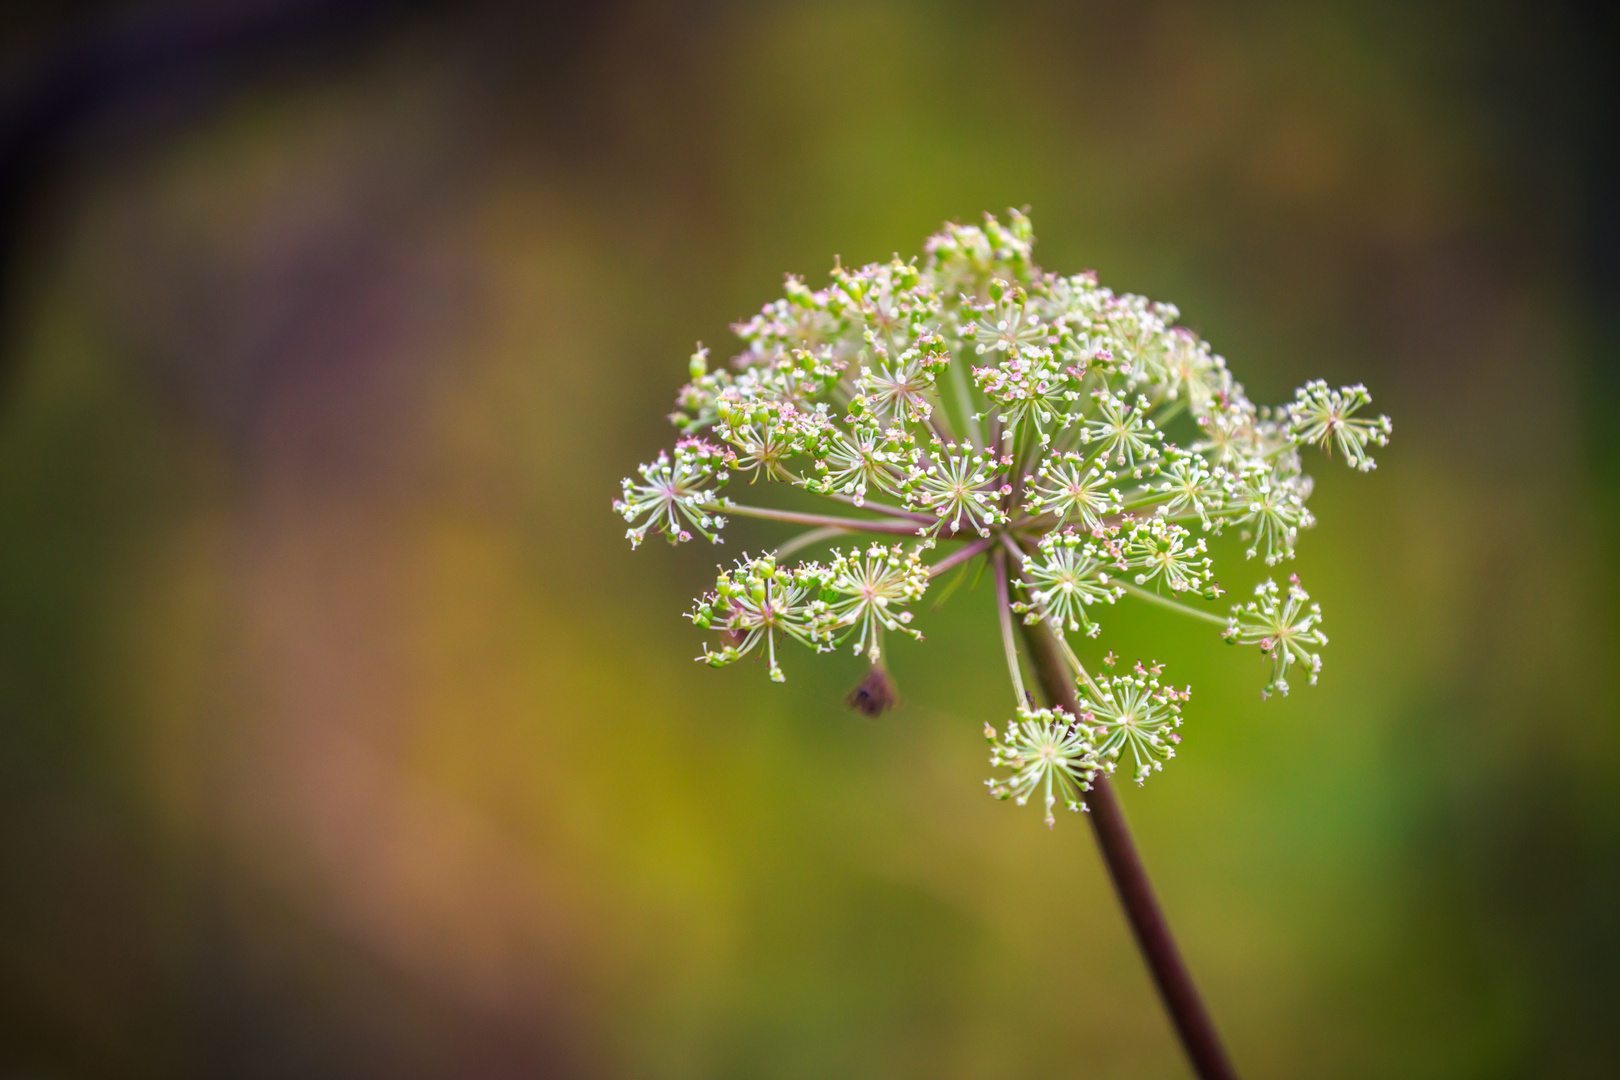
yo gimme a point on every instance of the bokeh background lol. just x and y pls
(341, 734)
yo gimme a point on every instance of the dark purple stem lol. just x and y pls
(1170, 974)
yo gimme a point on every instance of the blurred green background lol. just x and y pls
(341, 734)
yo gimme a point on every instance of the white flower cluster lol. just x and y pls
(1079, 441)
(1048, 751)
(1133, 712)
(1283, 627)
(820, 605)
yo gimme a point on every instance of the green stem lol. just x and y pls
(964, 401)
(1170, 413)
(1174, 605)
(893, 528)
(868, 504)
(1074, 662)
(1004, 611)
(806, 539)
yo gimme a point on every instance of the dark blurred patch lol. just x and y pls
(98, 78)
(874, 695)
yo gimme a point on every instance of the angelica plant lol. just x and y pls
(968, 407)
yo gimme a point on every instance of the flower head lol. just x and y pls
(1284, 627)
(1029, 422)
(1122, 431)
(765, 435)
(1191, 488)
(1158, 550)
(1074, 489)
(1192, 372)
(1005, 322)
(1048, 751)
(675, 494)
(862, 457)
(1270, 509)
(1133, 712)
(1067, 575)
(901, 388)
(865, 591)
(1327, 418)
(961, 486)
(757, 600)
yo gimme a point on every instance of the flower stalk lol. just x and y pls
(1191, 1019)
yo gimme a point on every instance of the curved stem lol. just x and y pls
(964, 402)
(882, 508)
(878, 525)
(806, 539)
(961, 555)
(1015, 551)
(1004, 610)
(1170, 974)
(1174, 605)
(873, 505)
(1139, 502)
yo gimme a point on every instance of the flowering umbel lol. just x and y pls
(1080, 442)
